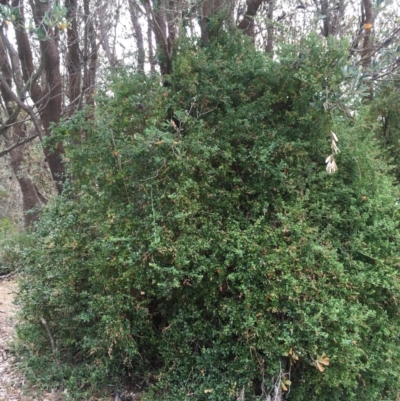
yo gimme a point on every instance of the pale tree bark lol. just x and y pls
(26, 56)
(338, 18)
(366, 54)
(137, 29)
(173, 17)
(90, 55)
(105, 29)
(367, 49)
(149, 37)
(159, 25)
(270, 28)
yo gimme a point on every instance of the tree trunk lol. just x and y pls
(366, 53)
(150, 37)
(90, 55)
(159, 25)
(30, 199)
(47, 102)
(104, 32)
(270, 28)
(137, 29)
(325, 10)
(209, 8)
(247, 23)
(73, 57)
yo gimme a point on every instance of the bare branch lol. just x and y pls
(16, 145)
(21, 104)
(247, 23)
(51, 338)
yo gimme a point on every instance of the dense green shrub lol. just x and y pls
(202, 249)
(12, 246)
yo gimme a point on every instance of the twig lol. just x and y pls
(7, 275)
(21, 104)
(51, 338)
(9, 149)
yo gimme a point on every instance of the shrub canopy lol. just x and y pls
(202, 249)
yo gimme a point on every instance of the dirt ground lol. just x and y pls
(12, 384)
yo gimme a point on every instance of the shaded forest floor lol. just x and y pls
(13, 386)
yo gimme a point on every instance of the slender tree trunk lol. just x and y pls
(30, 197)
(48, 102)
(247, 23)
(159, 26)
(52, 97)
(105, 34)
(366, 53)
(137, 29)
(325, 10)
(270, 28)
(150, 37)
(90, 55)
(73, 57)
(209, 8)
(338, 17)
(26, 57)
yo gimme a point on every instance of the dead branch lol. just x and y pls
(19, 143)
(51, 338)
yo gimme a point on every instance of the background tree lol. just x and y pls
(60, 70)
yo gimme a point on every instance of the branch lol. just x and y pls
(51, 338)
(248, 19)
(10, 120)
(34, 77)
(19, 143)
(6, 276)
(21, 104)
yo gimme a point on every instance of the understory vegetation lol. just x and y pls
(201, 250)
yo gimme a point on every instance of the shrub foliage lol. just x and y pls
(202, 249)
